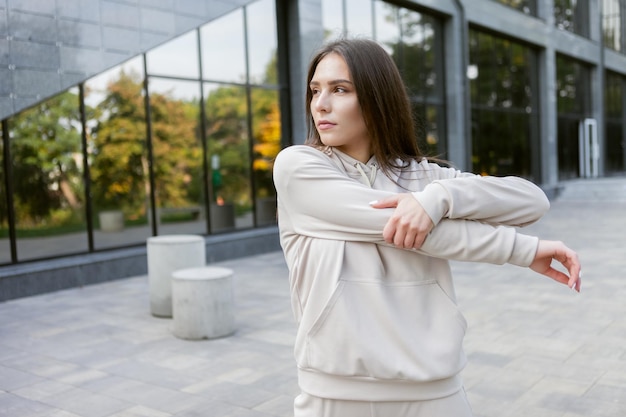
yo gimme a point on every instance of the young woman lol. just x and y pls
(368, 225)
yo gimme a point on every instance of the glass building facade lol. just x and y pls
(179, 139)
(124, 121)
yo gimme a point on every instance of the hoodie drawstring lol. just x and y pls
(372, 176)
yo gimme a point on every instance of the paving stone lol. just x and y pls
(42, 389)
(11, 379)
(85, 403)
(141, 411)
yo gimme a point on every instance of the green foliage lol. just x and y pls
(227, 137)
(176, 148)
(47, 152)
(45, 146)
(118, 141)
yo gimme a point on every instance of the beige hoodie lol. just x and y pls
(375, 322)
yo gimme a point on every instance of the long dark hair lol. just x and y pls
(383, 99)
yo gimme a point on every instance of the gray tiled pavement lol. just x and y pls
(535, 348)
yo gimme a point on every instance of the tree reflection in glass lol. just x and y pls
(47, 173)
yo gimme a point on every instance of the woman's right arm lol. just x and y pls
(321, 201)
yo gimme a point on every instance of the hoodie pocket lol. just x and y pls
(402, 330)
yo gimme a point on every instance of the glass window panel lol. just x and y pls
(332, 18)
(118, 156)
(615, 127)
(5, 244)
(266, 130)
(612, 24)
(413, 40)
(228, 147)
(386, 24)
(262, 43)
(568, 154)
(416, 53)
(97, 87)
(359, 17)
(572, 15)
(522, 66)
(500, 144)
(177, 156)
(482, 74)
(223, 48)
(615, 145)
(573, 96)
(501, 74)
(176, 58)
(572, 81)
(428, 120)
(48, 187)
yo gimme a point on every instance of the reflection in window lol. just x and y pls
(359, 17)
(501, 78)
(177, 155)
(333, 19)
(347, 17)
(207, 162)
(525, 6)
(572, 83)
(412, 39)
(573, 98)
(223, 49)
(5, 245)
(48, 188)
(118, 156)
(612, 23)
(262, 42)
(572, 15)
(266, 137)
(228, 148)
(177, 58)
(615, 131)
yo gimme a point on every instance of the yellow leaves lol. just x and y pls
(268, 140)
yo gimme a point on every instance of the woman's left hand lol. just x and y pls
(549, 250)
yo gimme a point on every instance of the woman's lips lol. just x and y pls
(324, 125)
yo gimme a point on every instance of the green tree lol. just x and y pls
(227, 137)
(118, 143)
(177, 150)
(45, 148)
(120, 159)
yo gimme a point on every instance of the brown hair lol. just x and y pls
(383, 99)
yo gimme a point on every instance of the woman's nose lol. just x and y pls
(321, 102)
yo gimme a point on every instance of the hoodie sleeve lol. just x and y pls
(316, 199)
(511, 201)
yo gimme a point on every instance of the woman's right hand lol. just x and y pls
(409, 225)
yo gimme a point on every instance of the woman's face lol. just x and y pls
(335, 108)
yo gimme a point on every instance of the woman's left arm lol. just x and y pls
(509, 201)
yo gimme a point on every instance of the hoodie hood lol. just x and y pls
(364, 173)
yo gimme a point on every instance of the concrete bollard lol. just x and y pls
(166, 254)
(203, 303)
